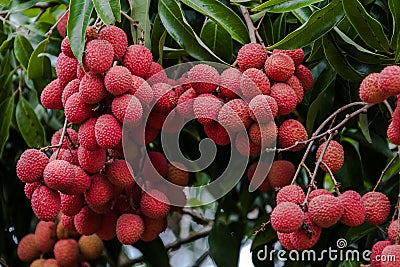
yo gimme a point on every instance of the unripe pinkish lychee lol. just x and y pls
(46, 203)
(204, 78)
(92, 88)
(138, 60)
(333, 157)
(230, 83)
(117, 38)
(45, 236)
(285, 97)
(370, 91)
(99, 55)
(353, 208)
(129, 228)
(279, 67)
(290, 132)
(66, 68)
(108, 131)
(31, 165)
(377, 207)
(281, 173)
(286, 217)
(254, 82)
(388, 80)
(263, 108)
(325, 210)
(90, 246)
(251, 56)
(206, 108)
(291, 193)
(235, 116)
(27, 250)
(66, 252)
(51, 95)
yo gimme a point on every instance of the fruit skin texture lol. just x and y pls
(62, 25)
(86, 135)
(166, 98)
(66, 252)
(31, 165)
(185, 103)
(27, 250)
(291, 193)
(296, 54)
(286, 217)
(108, 224)
(389, 80)
(369, 90)
(260, 112)
(262, 167)
(66, 68)
(71, 204)
(66, 48)
(99, 55)
(71, 88)
(138, 60)
(100, 191)
(279, 67)
(118, 173)
(90, 246)
(154, 207)
(127, 108)
(318, 192)
(290, 132)
(29, 188)
(46, 203)
(251, 56)
(305, 239)
(281, 173)
(333, 157)
(305, 77)
(284, 239)
(393, 231)
(230, 83)
(206, 108)
(285, 97)
(129, 228)
(91, 161)
(263, 135)
(76, 110)
(295, 83)
(118, 80)
(117, 38)
(325, 210)
(391, 252)
(245, 146)
(70, 138)
(177, 174)
(254, 82)
(235, 116)
(353, 208)
(59, 175)
(45, 236)
(217, 133)
(377, 207)
(393, 132)
(87, 222)
(152, 228)
(51, 95)
(204, 78)
(376, 252)
(108, 131)
(92, 88)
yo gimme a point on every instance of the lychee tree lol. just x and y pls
(305, 92)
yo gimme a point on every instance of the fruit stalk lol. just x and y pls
(249, 23)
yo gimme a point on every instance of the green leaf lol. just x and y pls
(39, 66)
(364, 126)
(217, 39)
(280, 6)
(224, 247)
(302, 14)
(320, 22)
(266, 30)
(29, 125)
(176, 25)
(338, 61)
(103, 9)
(263, 238)
(356, 233)
(78, 20)
(394, 7)
(6, 111)
(156, 35)
(116, 9)
(22, 50)
(140, 13)
(7, 44)
(280, 27)
(154, 252)
(368, 28)
(223, 16)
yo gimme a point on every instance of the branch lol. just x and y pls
(135, 24)
(198, 219)
(335, 183)
(202, 258)
(60, 143)
(250, 25)
(262, 228)
(50, 32)
(384, 171)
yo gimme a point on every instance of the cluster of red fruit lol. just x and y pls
(52, 246)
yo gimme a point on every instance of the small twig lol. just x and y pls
(307, 169)
(335, 182)
(136, 25)
(202, 258)
(12, 24)
(262, 228)
(249, 23)
(389, 108)
(50, 32)
(198, 219)
(384, 171)
(260, 39)
(234, 64)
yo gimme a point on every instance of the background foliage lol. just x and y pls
(344, 40)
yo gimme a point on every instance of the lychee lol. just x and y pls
(156, 74)
(66, 252)
(353, 208)
(284, 239)
(118, 173)
(100, 191)
(388, 80)
(251, 56)
(29, 188)
(279, 67)
(70, 138)
(117, 38)
(393, 231)
(393, 132)
(92, 88)
(46, 203)
(142, 90)
(76, 110)
(235, 116)
(66, 68)
(51, 95)
(118, 80)
(98, 55)
(318, 192)
(185, 103)
(27, 250)
(296, 54)
(305, 76)
(45, 236)
(333, 157)
(290, 193)
(62, 24)
(71, 204)
(230, 83)
(66, 48)
(154, 204)
(325, 210)
(285, 97)
(138, 60)
(81, 182)
(152, 228)
(31, 165)
(108, 225)
(376, 252)
(71, 88)
(294, 82)
(86, 135)
(281, 173)
(59, 175)
(390, 256)
(129, 228)
(263, 108)
(108, 131)
(165, 96)
(307, 236)
(177, 174)
(377, 207)
(290, 132)
(245, 146)
(204, 78)
(262, 167)
(217, 133)
(263, 135)
(90, 246)
(254, 82)
(370, 91)
(91, 161)
(87, 222)
(206, 108)
(127, 108)
(286, 217)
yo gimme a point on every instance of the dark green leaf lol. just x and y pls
(116, 9)
(263, 237)
(394, 7)
(338, 61)
(356, 233)
(6, 111)
(368, 28)
(78, 20)
(280, 27)
(302, 14)
(320, 22)
(364, 126)
(224, 247)
(246, 3)
(140, 13)
(156, 34)
(280, 6)
(22, 50)
(176, 25)
(29, 125)
(316, 51)
(154, 252)
(217, 39)
(170, 53)
(223, 16)
(266, 30)
(351, 173)
(7, 44)
(103, 9)
(39, 66)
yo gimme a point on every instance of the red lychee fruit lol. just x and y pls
(281, 173)
(70, 138)
(376, 252)
(390, 256)
(290, 132)
(251, 56)
(285, 97)
(87, 222)
(254, 82)
(31, 165)
(154, 204)
(46, 203)
(66, 252)
(185, 103)
(138, 60)
(235, 115)
(118, 173)
(286, 217)
(66, 48)
(353, 208)
(62, 24)
(108, 225)
(71, 204)
(230, 83)
(393, 231)
(29, 188)
(51, 95)
(206, 108)
(291, 193)
(157, 161)
(45, 236)
(142, 90)
(393, 132)
(117, 38)
(156, 74)
(66, 224)
(81, 182)
(279, 67)
(296, 54)
(92, 88)
(204, 78)
(377, 207)
(99, 55)
(27, 250)
(69, 155)
(100, 191)
(118, 80)
(59, 175)
(263, 135)
(263, 108)
(108, 131)
(71, 88)
(91, 161)
(177, 174)
(305, 76)
(165, 96)
(217, 133)
(66, 68)
(294, 82)
(388, 80)
(369, 90)
(333, 157)
(127, 108)
(307, 236)
(152, 228)
(90, 246)
(262, 167)
(129, 228)
(76, 110)
(325, 210)
(86, 135)
(245, 146)
(284, 239)
(318, 192)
